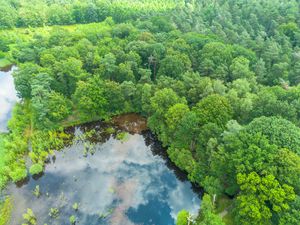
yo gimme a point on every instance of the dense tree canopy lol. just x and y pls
(217, 80)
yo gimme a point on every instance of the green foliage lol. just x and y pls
(110, 130)
(280, 132)
(244, 153)
(23, 79)
(72, 220)
(240, 68)
(292, 215)
(13, 146)
(106, 214)
(75, 206)
(288, 168)
(44, 143)
(182, 217)
(174, 65)
(254, 155)
(213, 109)
(175, 114)
(215, 60)
(242, 99)
(123, 136)
(54, 213)
(29, 217)
(164, 99)
(183, 159)
(5, 211)
(36, 192)
(160, 103)
(3, 61)
(218, 82)
(34, 14)
(207, 215)
(259, 197)
(90, 99)
(59, 107)
(18, 174)
(36, 169)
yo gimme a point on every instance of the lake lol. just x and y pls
(117, 182)
(8, 96)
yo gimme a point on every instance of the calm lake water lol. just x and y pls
(8, 96)
(122, 183)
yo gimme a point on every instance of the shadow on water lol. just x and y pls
(157, 149)
(135, 124)
(124, 182)
(22, 183)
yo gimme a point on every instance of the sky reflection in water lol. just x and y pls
(122, 179)
(8, 97)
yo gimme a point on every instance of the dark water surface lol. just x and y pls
(8, 96)
(124, 182)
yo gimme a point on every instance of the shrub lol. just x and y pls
(72, 220)
(36, 168)
(182, 217)
(30, 217)
(18, 174)
(54, 213)
(5, 211)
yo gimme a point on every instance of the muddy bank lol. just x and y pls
(131, 122)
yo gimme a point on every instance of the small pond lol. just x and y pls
(121, 183)
(8, 96)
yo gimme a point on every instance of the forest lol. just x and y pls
(218, 82)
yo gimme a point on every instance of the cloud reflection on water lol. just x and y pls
(120, 177)
(8, 97)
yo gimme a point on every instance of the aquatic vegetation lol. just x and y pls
(122, 136)
(66, 192)
(84, 136)
(44, 143)
(102, 216)
(29, 217)
(5, 211)
(75, 206)
(36, 169)
(106, 214)
(85, 153)
(92, 150)
(110, 130)
(89, 134)
(63, 199)
(54, 213)
(112, 190)
(36, 192)
(88, 148)
(72, 220)
(217, 80)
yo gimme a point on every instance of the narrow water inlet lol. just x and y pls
(8, 96)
